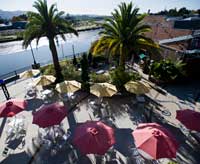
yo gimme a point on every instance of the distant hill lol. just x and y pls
(10, 14)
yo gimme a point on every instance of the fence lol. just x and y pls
(14, 75)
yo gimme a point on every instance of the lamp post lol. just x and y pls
(73, 49)
(35, 65)
(4, 89)
(33, 55)
(62, 51)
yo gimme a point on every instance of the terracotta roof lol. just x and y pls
(162, 29)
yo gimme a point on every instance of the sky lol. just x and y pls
(100, 7)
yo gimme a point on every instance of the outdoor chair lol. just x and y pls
(67, 135)
(36, 142)
(10, 134)
(73, 157)
(184, 130)
(45, 99)
(47, 144)
(65, 97)
(135, 155)
(22, 144)
(140, 99)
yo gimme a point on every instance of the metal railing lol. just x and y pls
(16, 73)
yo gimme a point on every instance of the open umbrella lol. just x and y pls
(49, 115)
(12, 107)
(103, 90)
(189, 118)
(68, 86)
(155, 140)
(45, 80)
(137, 87)
(29, 73)
(93, 137)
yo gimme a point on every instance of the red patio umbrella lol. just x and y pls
(93, 137)
(49, 115)
(12, 107)
(189, 118)
(155, 140)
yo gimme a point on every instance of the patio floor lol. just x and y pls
(124, 115)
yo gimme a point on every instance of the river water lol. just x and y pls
(13, 56)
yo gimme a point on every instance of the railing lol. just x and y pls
(14, 75)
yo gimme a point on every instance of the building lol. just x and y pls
(178, 39)
(5, 27)
(19, 25)
(186, 48)
(192, 23)
(163, 28)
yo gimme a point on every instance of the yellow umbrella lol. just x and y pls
(44, 80)
(29, 73)
(137, 87)
(68, 86)
(103, 89)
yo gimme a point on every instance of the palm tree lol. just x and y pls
(123, 34)
(47, 22)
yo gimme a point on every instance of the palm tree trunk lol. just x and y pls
(59, 76)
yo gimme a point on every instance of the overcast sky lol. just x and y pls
(100, 7)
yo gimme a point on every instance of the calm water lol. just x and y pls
(13, 56)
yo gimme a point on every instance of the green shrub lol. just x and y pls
(119, 77)
(90, 58)
(99, 78)
(48, 70)
(134, 76)
(68, 70)
(166, 70)
(98, 59)
(70, 73)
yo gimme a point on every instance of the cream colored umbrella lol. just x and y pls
(44, 80)
(68, 86)
(29, 73)
(137, 87)
(103, 90)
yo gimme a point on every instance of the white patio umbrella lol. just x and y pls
(44, 80)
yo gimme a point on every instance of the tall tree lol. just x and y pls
(85, 73)
(123, 34)
(47, 22)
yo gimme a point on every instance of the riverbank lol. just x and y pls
(14, 57)
(10, 38)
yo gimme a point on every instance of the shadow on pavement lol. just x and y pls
(124, 139)
(33, 104)
(21, 158)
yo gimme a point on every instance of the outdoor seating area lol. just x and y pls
(49, 131)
